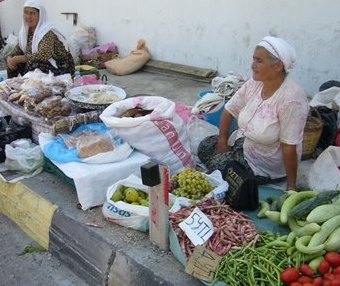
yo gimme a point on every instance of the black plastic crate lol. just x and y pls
(10, 131)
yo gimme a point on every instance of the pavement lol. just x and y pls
(46, 208)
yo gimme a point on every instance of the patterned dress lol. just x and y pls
(50, 47)
(262, 126)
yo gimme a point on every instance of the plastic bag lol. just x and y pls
(81, 38)
(161, 134)
(131, 63)
(324, 174)
(198, 129)
(23, 156)
(126, 214)
(63, 148)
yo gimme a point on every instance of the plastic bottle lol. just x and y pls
(77, 79)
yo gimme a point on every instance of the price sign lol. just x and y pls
(198, 227)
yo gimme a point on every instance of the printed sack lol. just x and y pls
(161, 134)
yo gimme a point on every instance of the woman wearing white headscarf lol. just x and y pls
(40, 45)
(271, 112)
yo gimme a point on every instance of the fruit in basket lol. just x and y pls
(190, 183)
(117, 196)
(131, 195)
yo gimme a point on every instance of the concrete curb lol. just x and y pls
(84, 251)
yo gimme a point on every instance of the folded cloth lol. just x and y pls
(227, 86)
(209, 103)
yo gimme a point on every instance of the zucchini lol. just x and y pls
(264, 206)
(314, 263)
(292, 201)
(302, 245)
(323, 213)
(307, 229)
(301, 210)
(333, 241)
(273, 216)
(326, 229)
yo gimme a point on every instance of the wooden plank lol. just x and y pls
(163, 67)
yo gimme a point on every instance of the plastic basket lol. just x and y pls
(311, 134)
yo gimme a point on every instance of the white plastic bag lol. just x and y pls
(125, 214)
(24, 156)
(329, 97)
(324, 174)
(198, 129)
(161, 134)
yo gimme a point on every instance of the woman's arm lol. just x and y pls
(290, 162)
(225, 123)
(45, 49)
(15, 58)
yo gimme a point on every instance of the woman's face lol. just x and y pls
(31, 17)
(264, 67)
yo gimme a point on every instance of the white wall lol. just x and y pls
(217, 34)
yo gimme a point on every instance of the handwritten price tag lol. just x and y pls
(198, 227)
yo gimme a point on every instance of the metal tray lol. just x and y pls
(95, 96)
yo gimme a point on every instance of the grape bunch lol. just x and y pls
(191, 184)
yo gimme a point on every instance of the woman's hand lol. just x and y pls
(222, 146)
(13, 62)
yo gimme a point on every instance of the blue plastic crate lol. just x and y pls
(214, 117)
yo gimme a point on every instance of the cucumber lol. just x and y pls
(333, 241)
(264, 206)
(326, 229)
(302, 245)
(301, 210)
(307, 229)
(323, 213)
(292, 201)
(273, 216)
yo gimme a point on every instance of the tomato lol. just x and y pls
(305, 279)
(336, 270)
(318, 281)
(307, 284)
(334, 283)
(333, 258)
(324, 267)
(295, 284)
(306, 270)
(329, 276)
(289, 275)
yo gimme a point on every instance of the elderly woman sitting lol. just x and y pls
(40, 45)
(271, 111)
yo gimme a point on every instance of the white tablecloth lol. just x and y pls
(92, 180)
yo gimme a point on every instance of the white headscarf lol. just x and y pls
(280, 49)
(42, 28)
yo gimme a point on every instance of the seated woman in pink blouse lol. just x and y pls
(271, 111)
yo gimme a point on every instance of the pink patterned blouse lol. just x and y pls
(266, 123)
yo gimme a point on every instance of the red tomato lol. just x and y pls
(307, 284)
(295, 284)
(329, 276)
(334, 283)
(306, 270)
(289, 275)
(305, 279)
(333, 258)
(324, 267)
(318, 281)
(336, 270)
